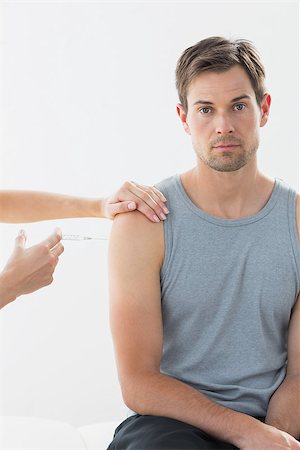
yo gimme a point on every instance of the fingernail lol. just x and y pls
(131, 205)
(22, 232)
(164, 198)
(155, 218)
(162, 216)
(166, 210)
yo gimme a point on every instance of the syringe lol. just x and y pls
(77, 237)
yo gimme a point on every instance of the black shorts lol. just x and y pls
(161, 433)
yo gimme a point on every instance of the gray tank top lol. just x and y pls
(228, 288)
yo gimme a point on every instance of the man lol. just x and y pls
(205, 314)
(29, 269)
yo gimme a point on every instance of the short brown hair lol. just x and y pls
(218, 54)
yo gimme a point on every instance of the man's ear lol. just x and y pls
(183, 115)
(265, 108)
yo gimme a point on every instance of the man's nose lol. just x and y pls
(223, 124)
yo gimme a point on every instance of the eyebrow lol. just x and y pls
(236, 99)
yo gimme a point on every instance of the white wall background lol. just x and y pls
(88, 100)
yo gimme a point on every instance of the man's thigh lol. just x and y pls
(161, 433)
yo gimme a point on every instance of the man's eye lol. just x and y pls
(239, 107)
(205, 110)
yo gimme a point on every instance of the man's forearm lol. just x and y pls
(161, 395)
(284, 411)
(32, 206)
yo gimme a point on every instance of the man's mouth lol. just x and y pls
(227, 146)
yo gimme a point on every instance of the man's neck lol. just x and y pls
(230, 195)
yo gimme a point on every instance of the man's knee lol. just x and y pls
(162, 433)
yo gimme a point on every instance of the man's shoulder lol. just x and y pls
(137, 240)
(167, 183)
(136, 230)
(134, 221)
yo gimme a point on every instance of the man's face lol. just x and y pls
(224, 118)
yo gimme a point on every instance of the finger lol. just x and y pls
(53, 239)
(57, 250)
(20, 240)
(157, 198)
(145, 197)
(121, 207)
(160, 194)
(147, 204)
(156, 195)
(148, 212)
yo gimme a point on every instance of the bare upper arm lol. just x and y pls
(294, 327)
(135, 257)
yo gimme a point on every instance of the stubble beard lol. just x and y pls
(228, 161)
